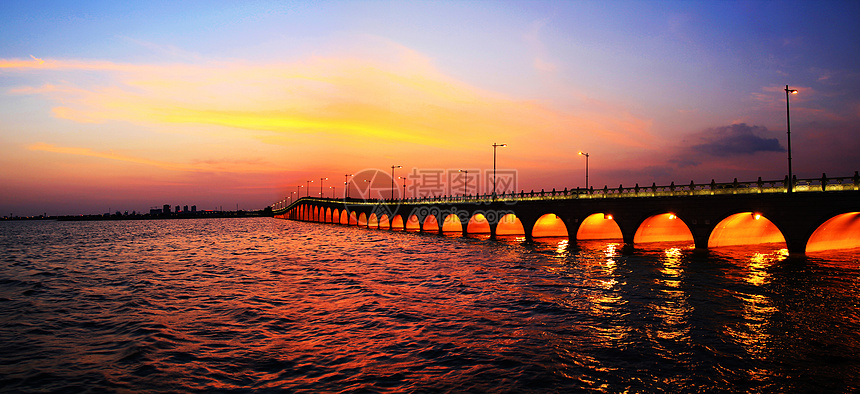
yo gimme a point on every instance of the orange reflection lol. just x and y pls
(744, 228)
(663, 228)
(452, 224)
(478, 225)
(397, 223)
(840, 232)
(362, 220)
(510, 225)
(344, 218)
(598, 226)
(549, 225)
(328, 215)
(431, 224)
(413, 224)
(383, 222)
(335, 216)
(353, 221)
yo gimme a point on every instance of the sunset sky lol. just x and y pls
(107, 105)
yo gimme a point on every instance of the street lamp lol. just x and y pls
(333, 190)
(788, 132)
(346, 183)
(581, 153)
(403, 197)
(321, 186)
(465, 184)
(308, 193)
(495, 145)
(392, 180)
(298, 192)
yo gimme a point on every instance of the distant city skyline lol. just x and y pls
(117, 105)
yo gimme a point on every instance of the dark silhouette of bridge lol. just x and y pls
(821, 213)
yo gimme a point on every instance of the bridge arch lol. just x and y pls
(327, 215)
(665, 227)
(478, 224)
(549, 225)
(413, 223)
(599, 226)
(344, 217)
(384, 223)
(510, 225)
(362, 220)
(397, 223)
(452, 224)
(744, 228)
(839, 232)
(430, 225)
(335, 216)
(353, 219)
(373, 221)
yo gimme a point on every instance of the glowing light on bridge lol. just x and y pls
(599, 226)
(431, 224)
(452, 224)
(840, 232)
(663, 228)
(746, 228)
(397, 223)
(413, 224)
(478, 225)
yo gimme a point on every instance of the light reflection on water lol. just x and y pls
(273, 304)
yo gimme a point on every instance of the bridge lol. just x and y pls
(812, 215)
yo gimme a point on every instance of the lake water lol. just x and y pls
(268, 304)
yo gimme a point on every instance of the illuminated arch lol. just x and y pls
(373, 221)
(549, 225)
(344, 217)
(335, 216)
(327, 215)
(478, 224)
(384, 222)
(840, 232)
(510, 225)
(431, 224)
(599, 226)
(452, 224)
(413, 224)
(745, 228)
(353, 220)
(362, 220)
(397, 223)
(665, 227)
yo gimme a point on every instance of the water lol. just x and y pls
(266, 304)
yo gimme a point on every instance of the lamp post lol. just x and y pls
(403, 197)
(495, 145)
(333, 190)
(581, 153)
(308, 192)
(346, 183)
(291, 196)
(392, 180)
(788, 91)
(298, 191)
(321, 186)
(466, 183)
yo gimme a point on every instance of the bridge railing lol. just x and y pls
(823, 184)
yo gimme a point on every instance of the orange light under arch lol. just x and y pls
(663, 228)
(840, 232)
(452, 224)
(599, 226)
(344, 217)
(353, 220)
(362, 220)
(373, 221)
(478, 224)
(397, 223)
(745, 228)
(413, 224)
(431, 224)
(510, 225)
(383, 222)
(549, 225)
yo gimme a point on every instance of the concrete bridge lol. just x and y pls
(820, 214)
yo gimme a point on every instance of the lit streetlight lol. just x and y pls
(308, 192)
(333, 190)
(346, 183)
(466, 183)
(392, 180)
(788, 132)
(298, 192)
(321, 186)
(495, 145)
(581, 153)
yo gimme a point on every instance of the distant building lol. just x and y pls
(193, 208)
(166, 208)
(177, 209)
(185, 208)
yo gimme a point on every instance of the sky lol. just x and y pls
(107, 106)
